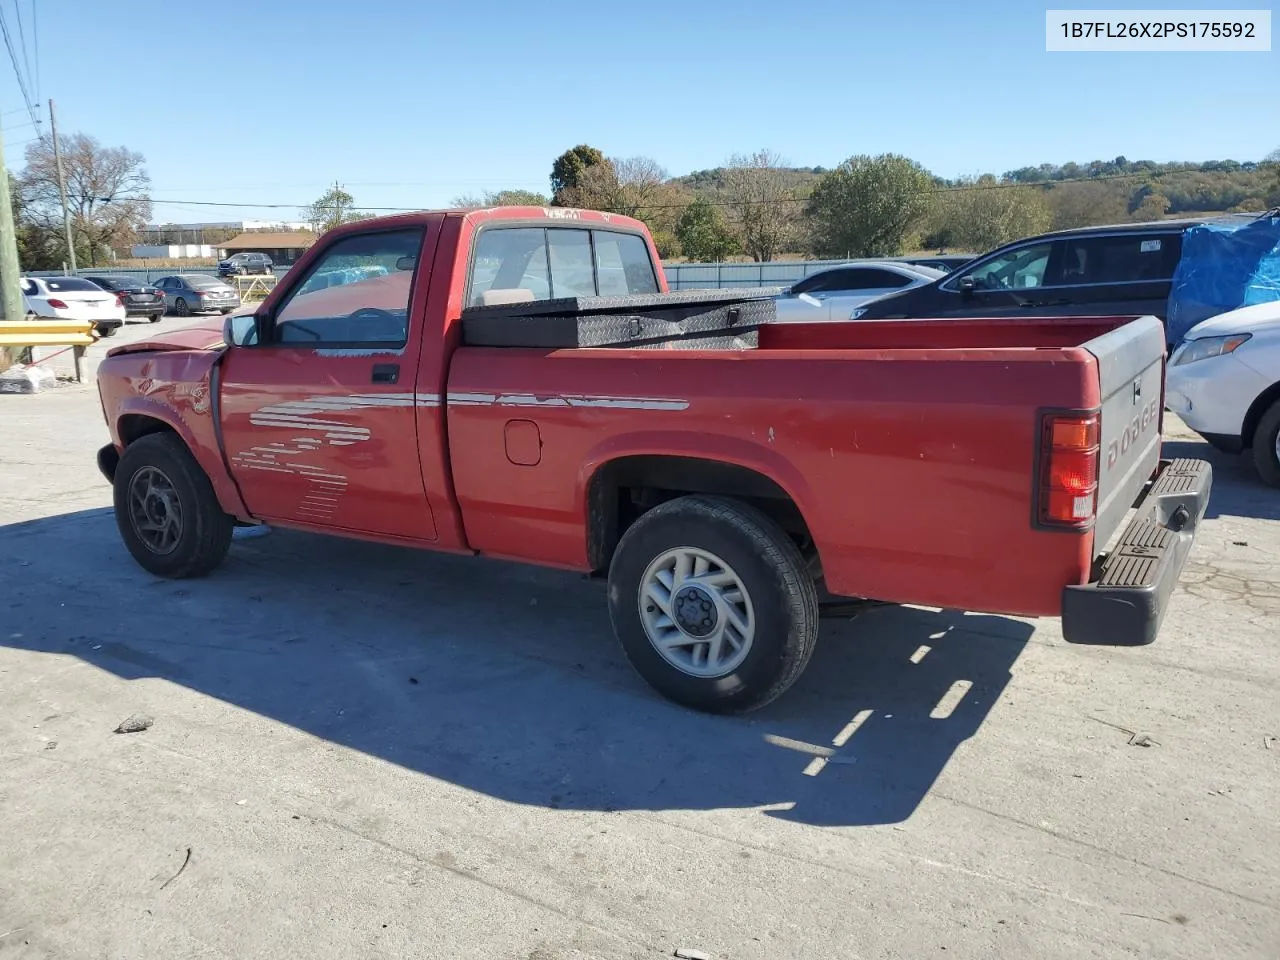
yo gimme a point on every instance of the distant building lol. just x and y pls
(211, 232)
(283, 247)
(172, 251)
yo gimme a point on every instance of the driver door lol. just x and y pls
(318, 421)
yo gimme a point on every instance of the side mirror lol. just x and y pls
(240, 330)
(966, 287)
(406, 263)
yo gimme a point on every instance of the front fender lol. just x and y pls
(186, 412)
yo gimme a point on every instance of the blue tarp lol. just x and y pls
(1223, 267)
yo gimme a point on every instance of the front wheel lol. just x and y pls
(713, 604)
(1266, 446)
(167, 512)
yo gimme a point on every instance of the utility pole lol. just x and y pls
(10, 277)
(62, 188)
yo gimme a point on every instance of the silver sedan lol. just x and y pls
(834, 294)
(188, 293)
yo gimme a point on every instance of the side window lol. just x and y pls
(1016, 270)
(814, 283)
(29, 287)
(357, 293)
(510, 265)
(1116, 259)
(622, 264)
(572, 273)
(886, 280)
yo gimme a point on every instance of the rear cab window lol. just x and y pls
(514, 264)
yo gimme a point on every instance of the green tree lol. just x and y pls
(979, 215)
(703, 234)
(567, 171)
(503, 198)
(866, 206)
(1153, 207)
(333, 208)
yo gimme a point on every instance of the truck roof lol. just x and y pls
(477, 215)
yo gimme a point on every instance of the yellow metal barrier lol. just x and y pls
(253, 288)
(44, 332)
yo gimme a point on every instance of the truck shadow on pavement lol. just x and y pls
(505, 679)
(1238, 491)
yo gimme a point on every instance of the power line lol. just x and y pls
(22, 39)
(17, 70)
(35, 41)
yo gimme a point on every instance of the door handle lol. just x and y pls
(386, 372)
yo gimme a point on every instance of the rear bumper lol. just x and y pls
(1125, 606)
(143, 309)
(108, 460)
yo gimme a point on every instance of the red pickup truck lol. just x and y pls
(726, 492)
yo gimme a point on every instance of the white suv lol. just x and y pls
(1224, 383)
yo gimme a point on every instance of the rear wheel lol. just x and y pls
(107, 331)
(181, 308)
(1266, 446)
(713, 604)
(155, 317)
(168, 515)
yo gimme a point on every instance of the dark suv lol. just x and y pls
(243, 263)
(1112, 271)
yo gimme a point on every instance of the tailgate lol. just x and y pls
(1130, 374)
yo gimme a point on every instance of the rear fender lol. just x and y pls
(189, 418)
(747, 454)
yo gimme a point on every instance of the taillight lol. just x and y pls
(1068, 469)
(57, 304)
(119, 300)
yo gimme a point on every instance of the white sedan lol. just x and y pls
(835, 294)
(71, 298)
(1224, 383)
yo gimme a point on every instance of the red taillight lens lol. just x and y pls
(57, 304)
(119, 300)
(1069, 469)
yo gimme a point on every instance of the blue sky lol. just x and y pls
(413, 102)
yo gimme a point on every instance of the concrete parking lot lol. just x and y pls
(362, 751)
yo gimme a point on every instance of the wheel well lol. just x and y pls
(1256, 411)
(621, 490)
(134, 426)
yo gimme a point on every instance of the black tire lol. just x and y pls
(1265, 446)
(769, 568)
(106, 331)
(181, 308)
(225, 310)
(155, 317)
(203, 531)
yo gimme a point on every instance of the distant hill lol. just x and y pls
(1105, 189)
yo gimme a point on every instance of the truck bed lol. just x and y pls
(916, 478)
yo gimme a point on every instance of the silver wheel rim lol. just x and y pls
(696, 612)
(154, 510)
(1278, 448)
